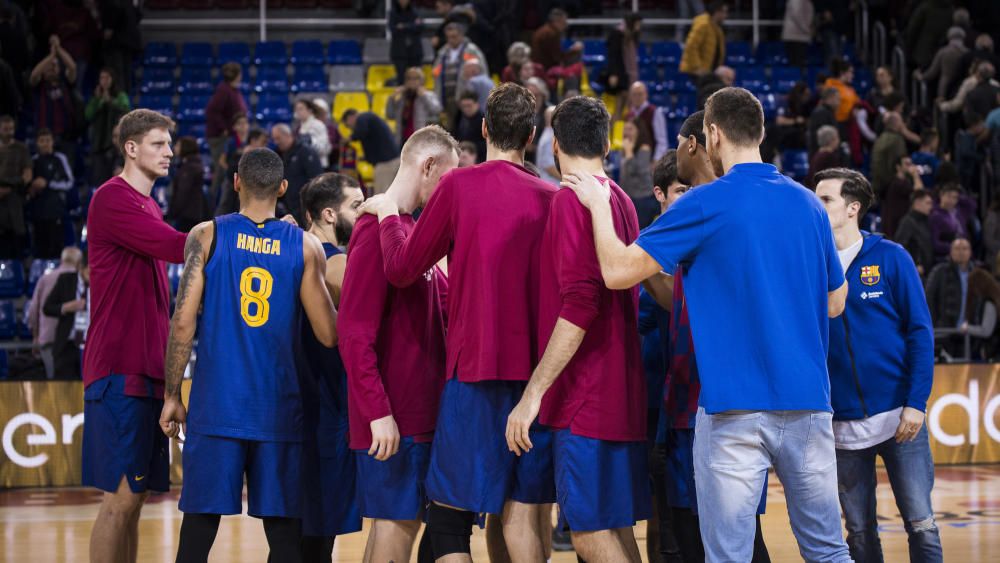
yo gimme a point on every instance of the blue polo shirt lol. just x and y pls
(759, 262)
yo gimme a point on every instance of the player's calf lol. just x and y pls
(391, 540)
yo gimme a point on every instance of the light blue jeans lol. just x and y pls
(732, 453)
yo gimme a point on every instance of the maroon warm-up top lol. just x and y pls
(488, 219)
(391, 341)
(127, 244)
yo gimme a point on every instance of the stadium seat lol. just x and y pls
(666, 52)
(771, 102)
(617, 131)
(771, 53)
(429, 52)
(38, 268)
(161, 103)
(237, 52)
(344, 52)
(310, 78)
(814, 74)
(191, 108)
(677, 82)
(194, 129)
(195, 80)
(784, 78)
(795, 163)
(8, 320)
(863, 80)
(273, 108)
(174, 272)
(752, 78)
(271, 79)
(157, 81)
(649, 73)
(687, 103)
(814, 55)
(270, 53)
(739, 53)
(197, 54)
(595, 51)
(159, 54)
(376, 51)
(344, 101)
(346, 78)
(610, 102)
(379, 102)
(659, 96)
(23, 329)
(11, 278)
(307, 53)
(378, 75)
(673, 129)
(644, 54)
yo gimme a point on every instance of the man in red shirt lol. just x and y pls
(589, 386)
(124, 453)
(392, 344)
(488, 220)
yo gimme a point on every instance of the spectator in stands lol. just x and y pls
(229, 201)
(544, 156)
(467, 154)
(829, 155)
(16, 172)
(925, 157)
(477, 80)
(926, 30)
(946, 67)
(961, 19)
(411, 106)
(947, 220)
(405, 48)
(797, 30)
(948, 296)
(914, 231)
(822, 115)
(637, 174)
(991, 233)
(122, 37)
(73, 23)
(705, 46)
(897, 196)
(831, 24)
(792, 118)
(469, 125)
(378, 142)
(43, 327)
(53, 179)
(540, 90)
(301, 165)
(55, 102)
(981, 322)
(982, 50)
(722, 77)
(886, 152)
(225, 104)
(14, 39)
(983, 96)
(450, 82)
(841, 79)
(234, 144)
(10, 88)
(66, 302)
(108, 104)
(968, 150)
(518, 55)
(546, 42)
(623, 57)
(312, 131)
(885, 85)
(649, 119)
(188, 205)
(322, 113)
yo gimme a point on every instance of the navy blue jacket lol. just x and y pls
(654, 326)
(886, 329)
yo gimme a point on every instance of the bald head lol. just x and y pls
(430, 141)
(726, 74)
(71, 256)
(638, 94)
(281, 134)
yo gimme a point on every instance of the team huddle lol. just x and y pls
(484, 362)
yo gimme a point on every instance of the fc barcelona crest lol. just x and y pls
(869, 275)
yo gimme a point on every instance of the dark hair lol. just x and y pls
(187, 146)
(256, 134)
(694, 125)
(715, 6)
(469, 146)
(469, 95)
(44, 132)
(839, 66)
(325, 191)
(899, 160)
(665, 170)
(310, 105)
(134, 125)
(893, 99)
(237, 117)
(920, 194)
(510, 116)
(855, 187)
(230, 71)
(114, 81)
(928, 135)
(950, 187)
(738, 114)
(971, 117)
(348, 114)
(556, 13)
(580, 125)
(260, 173)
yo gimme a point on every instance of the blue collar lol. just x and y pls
(754, 169)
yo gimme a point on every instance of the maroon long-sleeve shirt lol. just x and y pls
(128, 243)
(602, 391)
(225, 103)
(391, 341)
(488, 219)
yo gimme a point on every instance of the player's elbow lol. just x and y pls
(617, 279)
(327, 335)
(183, 328)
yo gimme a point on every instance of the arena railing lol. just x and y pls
(878, 48)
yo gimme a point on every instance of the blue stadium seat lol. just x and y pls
(649, 73)
(813, 76)
(659, 96)
(195, 80)
(237, 52)
(11, 278)
(273, 108)
(644, 54)
(667, 52)
(673, 129)
(795, 163)
(272, 53)
(850, 53)
(814, 55)
(23, 330)
(157, 81)
(310, 79)
(771, 53)
(677, 82)
(594, 51)
(194, 129)
(271, 79)
(307, 53)
(784, 78)
(739, 53)
(771, 102)
(687, 103)
(752, 78)
(38, 269)
(197, 54)
(344, 52)
(174, 272)
(161, 103)
(8, 320)
(192, 108)
(158, 54)
(863, 80)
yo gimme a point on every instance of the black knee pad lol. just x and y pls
(450, 530)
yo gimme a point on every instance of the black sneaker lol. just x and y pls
(561, 540)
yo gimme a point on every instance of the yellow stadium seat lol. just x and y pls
(610, 101)
(585, 88)
(379, 101)
(429, 77)
(377, 77)
(617, 129)
(367, 172)
(344, 101)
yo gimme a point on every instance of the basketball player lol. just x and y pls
(881, 372)
(330, 203)
(589, 386)
(392, 340)
(761, 280)
(249, 273)
(124, 454)
(488, 219)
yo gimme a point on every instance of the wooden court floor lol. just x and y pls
(53, 525)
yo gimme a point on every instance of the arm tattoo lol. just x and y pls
(178, 345)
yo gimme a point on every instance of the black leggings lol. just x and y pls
(198, 534)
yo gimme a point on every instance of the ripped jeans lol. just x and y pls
(911, 476)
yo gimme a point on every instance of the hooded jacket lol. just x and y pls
(882, 347)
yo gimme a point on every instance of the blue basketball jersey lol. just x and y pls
(245, 383)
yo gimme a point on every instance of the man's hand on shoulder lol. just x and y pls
(381, 206)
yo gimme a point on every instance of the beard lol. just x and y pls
(716, 162)
(343, 230)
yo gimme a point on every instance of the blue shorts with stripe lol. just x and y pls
(122, 438)
(394, 489)
(471, 467)
(601, 485)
